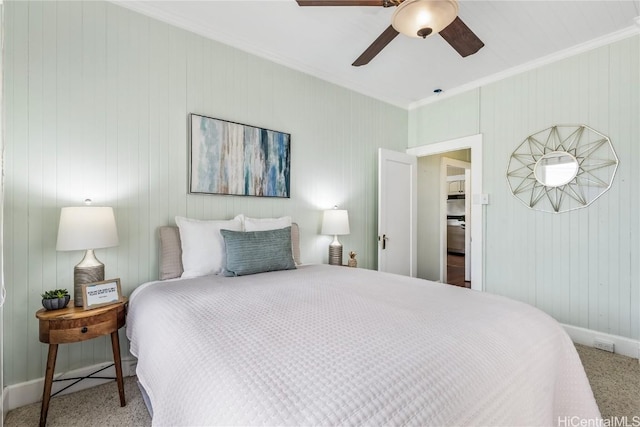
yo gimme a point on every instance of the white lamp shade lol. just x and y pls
(86, 227)
(413, 15)
(335, 222)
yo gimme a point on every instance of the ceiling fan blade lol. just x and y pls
(461, 38)
(340, 2)
(375, 47)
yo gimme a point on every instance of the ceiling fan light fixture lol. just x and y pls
(425, 32)
(421, 18)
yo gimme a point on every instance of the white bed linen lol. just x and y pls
(326, 345)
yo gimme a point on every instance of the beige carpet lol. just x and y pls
(615, 381)
(96, 406)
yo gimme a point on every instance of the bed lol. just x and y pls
(330, 345)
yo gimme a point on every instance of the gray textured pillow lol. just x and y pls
(170, 253)
(251, 252)
(295, 243)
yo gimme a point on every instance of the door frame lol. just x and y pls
(473, 142)
(467, 229)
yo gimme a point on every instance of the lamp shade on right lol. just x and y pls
(335, 222)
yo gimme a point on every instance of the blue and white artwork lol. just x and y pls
(231, 158)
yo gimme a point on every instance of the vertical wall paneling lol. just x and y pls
(634, 194)
(49, 147)
(97, 100)
(580, 267)
(3, 410)
(448, 119)
(16, 157)
(35, 173)
(158, 104)
(6, 310)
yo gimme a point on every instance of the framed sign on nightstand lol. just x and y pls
(99, 294)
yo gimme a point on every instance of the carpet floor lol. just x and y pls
(615, 381)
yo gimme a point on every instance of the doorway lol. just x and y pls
(455, 208)
(474, 143)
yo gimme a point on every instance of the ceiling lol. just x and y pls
(324, 41)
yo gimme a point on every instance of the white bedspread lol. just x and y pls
(326, 345)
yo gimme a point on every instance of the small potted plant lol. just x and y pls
(55, 299)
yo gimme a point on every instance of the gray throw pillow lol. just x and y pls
(251, 252)
(170, 253)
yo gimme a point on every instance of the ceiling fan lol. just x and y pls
(414, 18)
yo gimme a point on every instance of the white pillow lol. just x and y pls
(264, 224)
(202, 244)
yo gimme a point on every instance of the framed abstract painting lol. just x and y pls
(237, 159)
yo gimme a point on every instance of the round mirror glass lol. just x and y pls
(556, 169)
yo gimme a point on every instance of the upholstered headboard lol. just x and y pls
(170, 261)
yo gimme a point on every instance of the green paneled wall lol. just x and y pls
(580, 267)
(96, 106)
(449, 118)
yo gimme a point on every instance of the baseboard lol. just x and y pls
(25, 393)
(5, 405)
(622, 345)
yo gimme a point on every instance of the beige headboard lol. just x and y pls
(171, 251)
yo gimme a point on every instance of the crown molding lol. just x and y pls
(545, 60)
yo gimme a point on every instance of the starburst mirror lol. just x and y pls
(562, 168)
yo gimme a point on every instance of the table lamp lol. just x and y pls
(86, 228)
(335, 222)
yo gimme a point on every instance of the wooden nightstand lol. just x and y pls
(73, 324)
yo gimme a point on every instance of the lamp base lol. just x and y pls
(335, 252)
(89, 270)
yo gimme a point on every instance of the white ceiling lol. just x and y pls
(324, 41)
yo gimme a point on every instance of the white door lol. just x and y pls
(397, 212)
